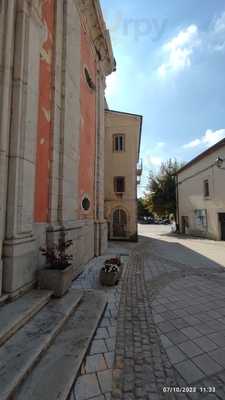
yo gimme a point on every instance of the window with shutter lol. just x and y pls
(206, 188)
(118, 143)
(119, 184)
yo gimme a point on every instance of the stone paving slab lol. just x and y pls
(95, 380)
(171, 328)
(98, 346)
(95, 363)
(87, 386)
(189, 371)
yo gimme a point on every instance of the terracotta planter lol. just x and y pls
(57, 280)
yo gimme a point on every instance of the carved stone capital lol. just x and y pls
(91, 11)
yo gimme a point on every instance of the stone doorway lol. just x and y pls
(119, 223)
(184, 224)
(222, 225)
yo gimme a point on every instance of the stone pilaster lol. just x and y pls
(7, 17)
(70, 116)
(100, 223)
(64, 163)
(54, 181)
(19, 244)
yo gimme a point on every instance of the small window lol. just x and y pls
(206, 188)
(201, 217)
(119, 143)
(119, 184)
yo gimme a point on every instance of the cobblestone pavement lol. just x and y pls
(171, 326)
(95, 379)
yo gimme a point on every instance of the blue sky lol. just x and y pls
(171, 69)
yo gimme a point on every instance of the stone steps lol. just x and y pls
(55, 373)
(3, 299)
(20, 353)
(15, 314)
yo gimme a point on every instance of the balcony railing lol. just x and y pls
(139, 168)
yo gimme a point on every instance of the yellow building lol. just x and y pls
(122, 173)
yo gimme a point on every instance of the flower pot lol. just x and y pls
(56, 280)
(110, 278)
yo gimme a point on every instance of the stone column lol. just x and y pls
(54, 181)
(7, 18)
(100, 223)
(64, 163)
(70, 118)
(19, 244)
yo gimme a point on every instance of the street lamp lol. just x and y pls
(219, 162)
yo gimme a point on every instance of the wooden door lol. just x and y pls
(119, 223)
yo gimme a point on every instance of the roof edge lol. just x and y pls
(202, 155)
(123, 112)
(132, 115)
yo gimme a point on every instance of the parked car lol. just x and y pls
(166, 222)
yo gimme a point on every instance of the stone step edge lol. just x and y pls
(3, 299)
(30, 365)
(74, 373)
(26, 317)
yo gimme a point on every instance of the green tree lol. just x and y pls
(143, 208)
(161, 189)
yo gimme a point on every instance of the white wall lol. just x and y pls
(191, 194)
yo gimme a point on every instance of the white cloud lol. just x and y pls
(162, 70)
(191, 145)
(160, 145)
(207, 140)
(179, 50)
(210, 138)
(219, 24)
(154, 161)
(112, 84)
(216, 38)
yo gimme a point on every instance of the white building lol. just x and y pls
(201, 194)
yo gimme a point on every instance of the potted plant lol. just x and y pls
(111, 272)
(58, 273)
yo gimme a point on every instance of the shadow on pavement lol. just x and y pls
(177, 252)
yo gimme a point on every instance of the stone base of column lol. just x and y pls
(19, 263)
(1, 269)
(101, 237)
(81, 232)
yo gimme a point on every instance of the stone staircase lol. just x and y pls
(3, 298)
(43, 342)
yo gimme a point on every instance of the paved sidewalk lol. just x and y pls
(171, 327)
(95, 380)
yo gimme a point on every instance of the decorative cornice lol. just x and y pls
(91, 10)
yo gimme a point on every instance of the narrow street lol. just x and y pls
(171, 325)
